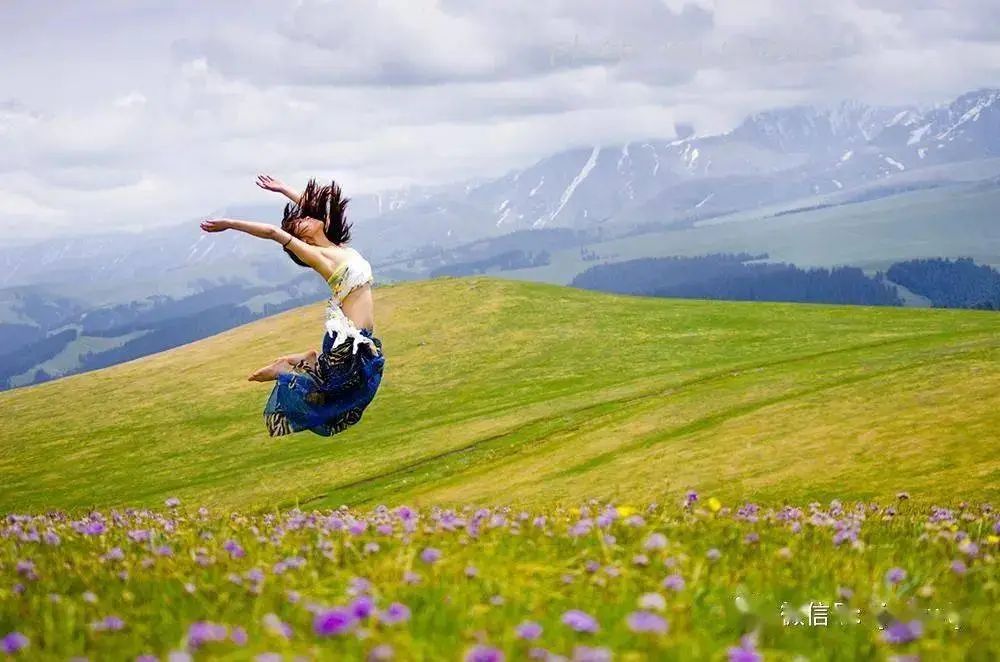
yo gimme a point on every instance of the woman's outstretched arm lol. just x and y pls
(269, 183)
(307, 253)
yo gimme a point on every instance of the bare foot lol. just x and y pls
(284, 364)
(271, 372)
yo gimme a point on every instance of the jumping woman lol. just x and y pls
(325, 392)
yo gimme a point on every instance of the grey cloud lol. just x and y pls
(943, 19)
(88, 176)
(346, 43)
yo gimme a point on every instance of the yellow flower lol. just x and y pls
(625, 511)
(992, 539)
(714, 504)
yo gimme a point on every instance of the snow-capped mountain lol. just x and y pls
(771, 157)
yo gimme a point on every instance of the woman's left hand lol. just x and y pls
(215, 225)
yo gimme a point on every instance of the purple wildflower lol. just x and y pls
(895, 576)
(655, 541)
(430, 555)
(587, 654)
(958, 567)
(357, 527)
(115, 554)
(201, 633)
(674, 582)
(381, 653)
(484, 654)
(359, 586)
(713, 554)
(395, 613)
(471, 571)
(333, 622)
(109, 624)
(580, 621)
(363, 607)
(13, 642)
(275, 626)
(139, 536)
(93, 528)
(653, 601)
(745, 652)
(901, 633)
(645, 621)
(239, 636)
(528, 631)
(172, 502)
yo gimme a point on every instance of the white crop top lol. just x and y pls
(353, 273)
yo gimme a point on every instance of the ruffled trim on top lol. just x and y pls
(341, 328)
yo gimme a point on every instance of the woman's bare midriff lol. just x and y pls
(359, 306)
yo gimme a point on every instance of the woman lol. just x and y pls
(326, 391)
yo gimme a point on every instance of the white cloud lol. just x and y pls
(161, 111)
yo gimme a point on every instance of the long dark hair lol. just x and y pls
(325, 204)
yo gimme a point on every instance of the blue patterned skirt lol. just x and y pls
(330, 396)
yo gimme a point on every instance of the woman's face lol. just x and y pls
(308, 230)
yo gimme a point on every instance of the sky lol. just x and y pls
(136, 113)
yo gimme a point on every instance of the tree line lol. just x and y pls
(949, 283)
(737, 277)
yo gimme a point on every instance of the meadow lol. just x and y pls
(547, 474)
(696, 580)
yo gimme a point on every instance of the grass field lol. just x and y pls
(501, 398)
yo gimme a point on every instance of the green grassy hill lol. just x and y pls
(499, 391)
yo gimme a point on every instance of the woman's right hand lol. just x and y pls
(216, 225)
(269, 183)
